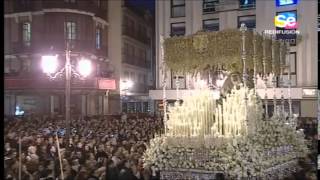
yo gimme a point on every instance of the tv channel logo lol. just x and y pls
(286, 20)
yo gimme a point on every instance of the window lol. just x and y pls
(141, 78)
(99, 3)
(132, 76)
(249, 21)
(98, 38)
(26, 33)
(145, 79)
(126, 75)
(178, 8)
(211, 25)
(178, 29)
(131, 25)
(70, 30)
(291, 63)
(209, 6)
(125, 51)
(246, 4)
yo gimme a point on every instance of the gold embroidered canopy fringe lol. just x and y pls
(194, 53)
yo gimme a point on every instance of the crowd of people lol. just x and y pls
(98, 148)
(108, 148)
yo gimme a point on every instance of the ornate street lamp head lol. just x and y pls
(84, 67)
(49, 64)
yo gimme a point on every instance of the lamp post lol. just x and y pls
(49, 66)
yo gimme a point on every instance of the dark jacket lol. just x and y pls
(112, 173)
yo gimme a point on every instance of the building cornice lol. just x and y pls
(61, 10)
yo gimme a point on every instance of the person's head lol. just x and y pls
(110, 164)
(127, 164)
(32, 150)
(79, 145)
(79, 154)
(53, 149)
(50, 140)
(100, 148)
(7, 146)
(86, 147)
(40, 167)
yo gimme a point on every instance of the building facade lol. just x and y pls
(132, 45)
(43, 27)
(182, 17)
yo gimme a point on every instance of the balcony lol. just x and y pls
(133, 34)
(23, 6)
(19, 47)
(210, 7)
(139, 88)
(250, 4)
(135, 61)
(87, 6)
(43, 83)
(87, 46)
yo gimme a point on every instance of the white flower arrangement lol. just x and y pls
(267, 149)
(272, 144)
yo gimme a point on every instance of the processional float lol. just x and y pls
(230, 135)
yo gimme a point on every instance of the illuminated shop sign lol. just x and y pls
(286, 20)
(286, 2)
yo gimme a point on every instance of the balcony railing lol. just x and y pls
(42, 83)
(139, 88)
(133, 34)
(58, 45)
(87, 6)
(135, 61)
(18, 47)
(248, 6)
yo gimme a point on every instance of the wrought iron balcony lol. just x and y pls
(135, 35)
(42, 83)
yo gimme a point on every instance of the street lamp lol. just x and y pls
(49, 65)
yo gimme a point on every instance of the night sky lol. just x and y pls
(148, 4)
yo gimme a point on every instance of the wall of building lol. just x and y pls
(115, 45)
(47, 19)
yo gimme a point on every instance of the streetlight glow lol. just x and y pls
(84, 67)
(129, 84)
(126, 84)
(49, 64)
